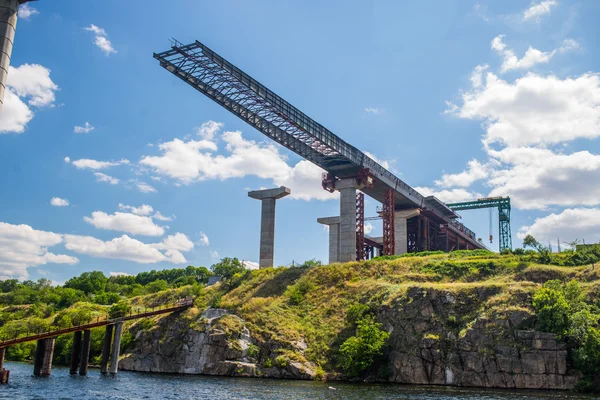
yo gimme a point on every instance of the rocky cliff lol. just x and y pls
(290, 323)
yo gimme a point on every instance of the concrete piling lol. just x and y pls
(75, 353)
(267, 222)
(401, 229)
(39, 357)
(47, 357)
(106, 349)
(114, 359)
(85, 352)
(3, 372)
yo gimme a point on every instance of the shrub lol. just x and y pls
(358, 353)
(107, 298)
(119, 310)
(281, 361)
(552, 310)
(297, 291)
(268, 363)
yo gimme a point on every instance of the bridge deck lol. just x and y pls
(50, 334)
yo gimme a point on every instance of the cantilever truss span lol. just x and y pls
(242, 95)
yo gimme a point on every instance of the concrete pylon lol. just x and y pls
(47, 358)
(334, 237)
(75, 352)
(347, 188)
(106, 349)
(40, 349)
(401, 229)
(267, 221)
(8, 26)
(114, 357)
(85, 352)
(4, 373)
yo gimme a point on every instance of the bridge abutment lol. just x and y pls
(114, 359)
(106, 349)
(85, 352)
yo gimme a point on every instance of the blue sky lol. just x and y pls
(461, 99)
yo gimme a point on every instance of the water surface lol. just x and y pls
(137, 385)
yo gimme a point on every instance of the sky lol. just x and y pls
(111, 163)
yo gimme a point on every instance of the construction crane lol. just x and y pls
(503, 206)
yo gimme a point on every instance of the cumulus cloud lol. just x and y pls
(67, 159)
(86, 163)
(125, 222)
(101, 40)
(101, 177)
(373, 110)
(144, 209)
(58, 202)
(28, 85)
(26, 11)
(448, 196)
(568, 225)
(144, 187)
(203, 239)
(86, 128)
(196, 160)
(476, 171)
(251, 265)
(536, 10)
(23, 247)
(511, 61)
(111, 273)
(178, 241)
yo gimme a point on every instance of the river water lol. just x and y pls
(136, 385)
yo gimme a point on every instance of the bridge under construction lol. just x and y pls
(411, 222)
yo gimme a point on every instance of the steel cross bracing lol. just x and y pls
(503, 206)
(227, 85)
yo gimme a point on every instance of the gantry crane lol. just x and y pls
(503, 206)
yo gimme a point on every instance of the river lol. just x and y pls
(137, 385)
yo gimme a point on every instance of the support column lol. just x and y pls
(39, 357)
(3, 372)
(106, 349)
(47, 359)
(347, 188)
(401, 229)
(75, 352)
(334, 237)
(114, 358)
(85, 352)
(267, 222)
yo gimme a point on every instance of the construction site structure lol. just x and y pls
(503, 206)
(412, 222)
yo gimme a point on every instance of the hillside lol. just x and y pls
(468, 318)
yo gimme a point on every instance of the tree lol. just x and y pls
(530, 241)
(227, 268)
(358, 353)
(88, 282)
(157, 286)
(119, 310)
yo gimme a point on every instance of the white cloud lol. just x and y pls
(209, 129)
(86, 163)
(22, 247)
(448, 196)
(28, 82)
(477, 75)
(121, 248)
(67, 159)
(125, 222)
(144, 209)
(539, 9)
(101, 40)
(373, 110)
(251, 265)
(304, 179)
(101, 177)
(111, 273)
(203, 239)
(86, 128)
(26, 11)
(368, 228)
(178, 241)
(145, 188)
(511, 61)
(569, 45)
(58, 202)
(534, 109)
(157, 215)
(481, 11)
(570, 224)
(476, 171)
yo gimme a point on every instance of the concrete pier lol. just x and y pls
(401, 229)
(334, 237)
(106, 349)
(47, 358)
(85, 352)
(39, 357)
(114, 358)
(347, 236)
(267, 221)
(75, 353)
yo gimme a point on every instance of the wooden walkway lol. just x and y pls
(179, 306)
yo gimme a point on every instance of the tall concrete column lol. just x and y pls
(3, 372)
(39, 357)
(75, 353)
(114, 358)
(267, 222)
(401, 229)
(347, 236)
(47, 359)
(106, 349)
(85, 352)
(8, 26)
(334, 237)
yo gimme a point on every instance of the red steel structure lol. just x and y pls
(389, 238)
(360, 227)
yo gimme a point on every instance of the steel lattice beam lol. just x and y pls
(360, 227)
